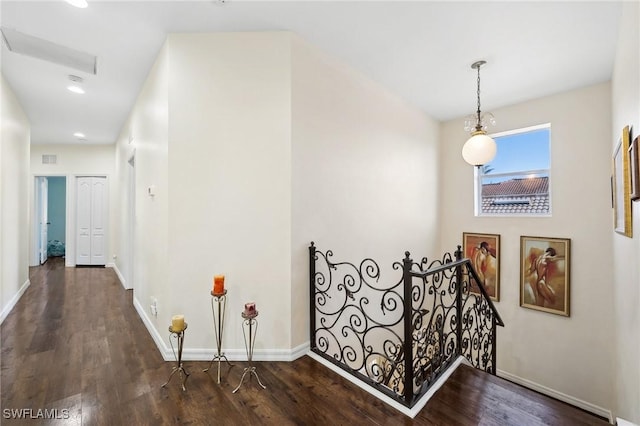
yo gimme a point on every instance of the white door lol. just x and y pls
(43, 214)
(91, 220)
(98, 220)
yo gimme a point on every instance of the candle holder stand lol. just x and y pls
(179, 336)
(250, 325)
(218, 307)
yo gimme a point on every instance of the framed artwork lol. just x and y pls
(622, 186)
(484, 252)
(634, 163)
(544, 274)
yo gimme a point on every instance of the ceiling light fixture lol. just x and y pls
(78, 3)
(79, 135)
(480, 148)
(75, 88)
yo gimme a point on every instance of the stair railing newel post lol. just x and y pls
(407, 264)
(459, 278)
(312, 298)
(494, 332)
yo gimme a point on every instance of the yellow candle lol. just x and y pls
(218, 284)
(177, 323)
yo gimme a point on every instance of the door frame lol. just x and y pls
(43, 220)
(34, 255)
(130, 281)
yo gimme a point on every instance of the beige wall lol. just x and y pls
(14, 206)
(72, 161)
(365, 180)
(626, 267)
(567, 357)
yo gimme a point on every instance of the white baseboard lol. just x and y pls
(240, 354)
(587, 406)
(411, 412)
(165, 351)
(300, 350)
(207, 354)
(120, 277)
(623, 422)
(14, 300)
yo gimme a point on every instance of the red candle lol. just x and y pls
(250, 308)
(218, 284)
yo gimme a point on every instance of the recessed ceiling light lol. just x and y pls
(78, 3)
(79, 135)
(76, 89)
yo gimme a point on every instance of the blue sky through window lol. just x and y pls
(522, 151)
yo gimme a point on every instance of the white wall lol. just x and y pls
(626, 284)
(365, 180)
(72, 161)
(144, 266)
(14, 208)
(212, 130)
(570, 357)
(229, 182)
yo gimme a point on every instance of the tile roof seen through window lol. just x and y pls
(516, 196)
(528, 186)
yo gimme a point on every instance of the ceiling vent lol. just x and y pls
(35, 47)
(49, 159)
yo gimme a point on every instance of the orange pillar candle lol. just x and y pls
(177, 323)
(218, 284)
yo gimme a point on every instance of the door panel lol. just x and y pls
(92, 207)
(98, 220)
(83, 220)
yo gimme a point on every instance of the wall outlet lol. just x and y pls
(154, 306)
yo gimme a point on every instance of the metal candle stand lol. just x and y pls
(179, 335)
(249, 324)
(218, 307)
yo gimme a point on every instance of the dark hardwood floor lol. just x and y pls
(74, 342)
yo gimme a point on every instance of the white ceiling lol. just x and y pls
(422, 50)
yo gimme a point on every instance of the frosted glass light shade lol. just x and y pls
(479, 149)
(78, 3)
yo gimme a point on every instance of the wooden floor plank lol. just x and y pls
(65, 346)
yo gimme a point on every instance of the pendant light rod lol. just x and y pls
(476, 66)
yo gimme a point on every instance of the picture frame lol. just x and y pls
(634, 168)
(545, 265)
(484, 252)
(622, 186)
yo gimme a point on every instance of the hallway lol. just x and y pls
(75, 346)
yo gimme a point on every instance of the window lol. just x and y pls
(517, 181)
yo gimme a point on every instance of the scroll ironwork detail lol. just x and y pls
(401, 332)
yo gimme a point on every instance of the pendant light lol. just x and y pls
(480, 148)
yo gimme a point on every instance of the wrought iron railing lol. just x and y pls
(402, 335)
